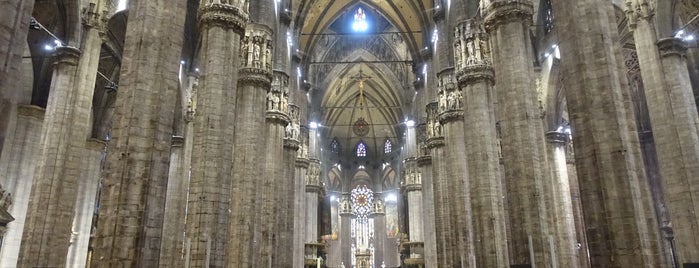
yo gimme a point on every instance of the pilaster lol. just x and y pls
(443, 227)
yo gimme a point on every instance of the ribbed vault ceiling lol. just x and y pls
(336, 58)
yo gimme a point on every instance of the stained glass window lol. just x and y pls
(361, 149)
(387, 147)
(362, 202)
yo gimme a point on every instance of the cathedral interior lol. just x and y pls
(349, 133)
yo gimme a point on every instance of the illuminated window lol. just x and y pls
(360, 24)
(361, 149)
(362, 202)
(387, 147)
(122, 5)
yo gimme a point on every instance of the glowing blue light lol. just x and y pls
(360, 24)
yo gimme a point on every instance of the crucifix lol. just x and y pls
(361, 78)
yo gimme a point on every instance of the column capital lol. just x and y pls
(96, 145)
(638, 9)
(213, 13)
(472, 54)
(556, 137)
(96, 17)
(672, 46)
(302, 162)
(412, 176)
(434, 127)
(345, 207)
(499, 12)
(31, 111)
(177, 141)
(313, 177)
(66, 55)
(256, 54)
(424, 160)
(450, 97)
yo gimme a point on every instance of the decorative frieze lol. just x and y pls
(229, 14)
(378, 206)
(96, 17)
(499, 12)
(256, 54)
(278, 100)
(314, 181)
(434, 127)
(472, 53)
(412, 176)
(191, 96)
(345, 206)
(450, 97)
(638, 9)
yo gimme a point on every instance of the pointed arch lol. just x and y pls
(361, 149)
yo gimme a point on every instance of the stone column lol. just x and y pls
(254, 84)
(677, 129)
(378, 213)
(302, 164)
(285, 247)
(346, 216)
(132, 200)
(14, 25)
(619, 217)
(18, 163)
(172, 246)
(222, 23)
(274, 182)
(522, 130)
(451, 117)
(567, 252)
(580, 233)
(67, 125)
(673, 115)
(476, 77)
(85, 203)
(424, 163)
(412, 189)
(443, 228)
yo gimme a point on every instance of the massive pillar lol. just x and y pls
(222, 23)
(14, 21)
(273, 180)
(566, 242)
(85, 203)
(523, 147)
(673, 114)
(443, 228)
(285, 245)
(677, 143)
(17, 165)
(475, 75)
(255, 78)
(172, 246)
(300, 228)
(66, 126)
(621, 225)
(580, 233)
(412, 189)
(451, 117)
(346, 215)
(132, 199)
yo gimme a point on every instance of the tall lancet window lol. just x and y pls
(361, 149)
(387, 147)
(360, 24)
(335, 146)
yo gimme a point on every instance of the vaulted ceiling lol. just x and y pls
(383, 59)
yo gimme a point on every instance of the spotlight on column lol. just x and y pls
(689, 38)
(392, 198)
(48, 48)
(111, 87)
(313, 125)
(333, 198)
(34, 25)
(410, 123)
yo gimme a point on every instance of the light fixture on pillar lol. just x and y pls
(410, 123)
